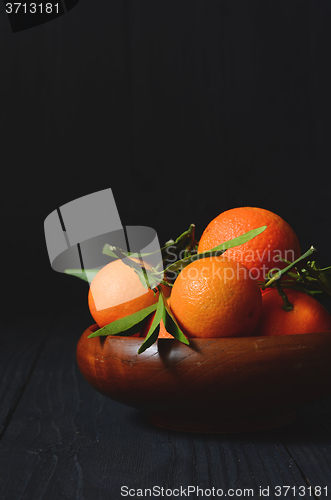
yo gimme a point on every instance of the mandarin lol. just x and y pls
(216, 297)
(116, 291)
(307, 316)
(263, 252)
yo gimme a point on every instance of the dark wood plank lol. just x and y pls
(308, 442)
(21, 344)
(38, 404)
(68, 441)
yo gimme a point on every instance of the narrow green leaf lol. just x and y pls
(150, 340)
(314, 266)
(146, 279)
(239, 240)
(286, 269)
(142, 276)
(171, 324)
(84, 274)
(154, 329)
(178, 265)
(320, 275)
(111, 252)
(179, 243)
(122, 325)
(182, 238)
(216, 251)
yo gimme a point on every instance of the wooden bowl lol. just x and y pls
(213, 385)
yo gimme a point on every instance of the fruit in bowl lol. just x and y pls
(261, 254)
(307, 314)
(231, 338)
(230, 384)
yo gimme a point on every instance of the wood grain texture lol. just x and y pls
(21, 344)
(147, 93)
(65, 440)
(229, 380)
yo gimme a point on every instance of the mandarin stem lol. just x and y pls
(287, 306)
(278, 275)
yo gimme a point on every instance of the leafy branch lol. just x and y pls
(164, 313)
(307, 277)
(186, 244)
(216, 251)
(302, 274)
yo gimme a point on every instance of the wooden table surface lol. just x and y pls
(60, 439)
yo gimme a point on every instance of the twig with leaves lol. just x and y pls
(184, 247)
(301, 274)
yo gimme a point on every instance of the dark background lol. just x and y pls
(184, 108)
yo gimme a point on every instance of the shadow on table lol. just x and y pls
(312, 426)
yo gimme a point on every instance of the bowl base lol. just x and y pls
(176, 423)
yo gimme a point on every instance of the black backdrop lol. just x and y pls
(184, 108)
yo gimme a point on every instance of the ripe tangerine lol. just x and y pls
(116, 291)
(307, 316)
(216, 297)
(261, 253)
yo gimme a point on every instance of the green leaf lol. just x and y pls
(239, 240)
(321, 275)
(111, 252)
(286, 269)
(183, 239)
(164, 313)
(216, 251)
(124, 326)
(171, 324)
(148, 280)
(142, 275)
(84, 274)
(316, 267)
(308, 277)
(154, 329)
(178, 265)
